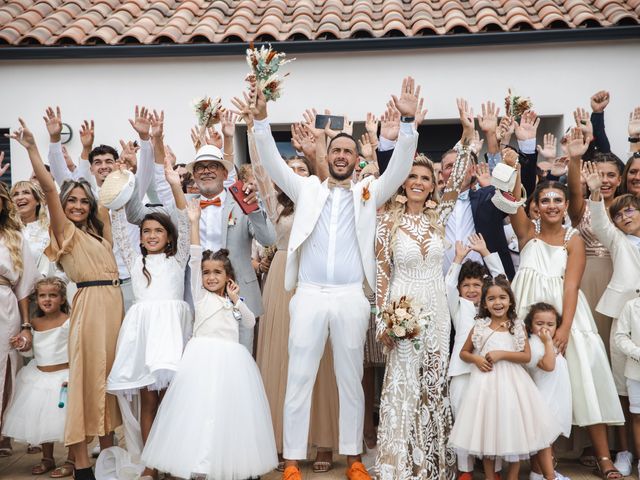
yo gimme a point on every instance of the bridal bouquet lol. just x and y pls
(516, 105)
(208, 111)
(265, 63)
(401, 320)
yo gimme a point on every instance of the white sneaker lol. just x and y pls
(623, 463)
(559, 476)
(535, 476)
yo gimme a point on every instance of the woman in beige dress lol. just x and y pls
(81, 244)
(18, 275)
(273, 334)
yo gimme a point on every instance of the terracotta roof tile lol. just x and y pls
(54, 22)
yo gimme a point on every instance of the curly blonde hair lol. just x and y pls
(10, 226)
(36, 191)
(396, 207)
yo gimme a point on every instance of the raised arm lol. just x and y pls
(521, 223)
(576, 148)
(56, 213)
(451, 280)
(289, 182)
(599, 102)
(488, 123)
(402, 158)
(141, 123)
(604, 229)
(59, 168)
(195, 260)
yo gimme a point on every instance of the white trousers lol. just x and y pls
(618, 362)
(317, 312)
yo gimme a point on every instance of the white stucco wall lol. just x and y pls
(558, 78)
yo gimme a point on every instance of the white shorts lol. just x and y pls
(633, 388)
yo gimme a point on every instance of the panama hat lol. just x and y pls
(117, 189)
(210, 153)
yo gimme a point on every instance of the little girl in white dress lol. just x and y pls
(37, 413)
(500, 416)
(158, 325)
(215, 418)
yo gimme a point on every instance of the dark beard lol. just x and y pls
(338, 177)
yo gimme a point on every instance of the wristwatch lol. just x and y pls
(407, 119)
(634, 139)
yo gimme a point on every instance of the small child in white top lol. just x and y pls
(37, 413)
(627, 338)
(464, 286)
(215, 420)
(549, 370)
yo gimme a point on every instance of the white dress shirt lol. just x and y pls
(330, 256)
(460, 227)
(211, 224)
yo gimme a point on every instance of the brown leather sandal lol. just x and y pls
(610, 473)
(45, 465)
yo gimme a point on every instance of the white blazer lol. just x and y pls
(625, 281)
(310, 195)
(627, 337)
(463, 311)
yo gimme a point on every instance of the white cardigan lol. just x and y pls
(625, 281)
(627, 337)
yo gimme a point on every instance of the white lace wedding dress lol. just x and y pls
(415, 415)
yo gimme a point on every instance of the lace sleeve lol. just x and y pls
(452, 190)
(520, 334)
(268, 193)
(121, 237)
(184, 232)
(384, 263)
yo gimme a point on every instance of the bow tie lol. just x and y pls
(333, 183)
(214, 201)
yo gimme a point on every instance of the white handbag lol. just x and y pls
(503, 177)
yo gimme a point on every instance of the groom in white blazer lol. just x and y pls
(330, 255)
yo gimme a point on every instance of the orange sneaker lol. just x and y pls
(357, 471)
(465, 476)
(291, 473)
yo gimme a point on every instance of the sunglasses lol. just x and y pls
(627, 212)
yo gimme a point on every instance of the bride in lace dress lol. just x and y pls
(415, 417)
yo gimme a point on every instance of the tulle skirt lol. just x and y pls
(501, 416)
(150, 344)
(214, 418)
(34, 416)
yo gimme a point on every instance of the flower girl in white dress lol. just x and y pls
(500, 416)
(215, 419)
(158, 325)
(37, 412)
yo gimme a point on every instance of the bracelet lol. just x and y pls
(634, 139)
(25, 325)
(407, 119)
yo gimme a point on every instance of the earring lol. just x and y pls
(536, 226)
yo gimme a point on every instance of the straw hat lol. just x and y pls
(117, 189)
(210, 153)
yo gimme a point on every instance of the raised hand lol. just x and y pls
(506, 127)
(528, 126)
(559, 166)
(128, 157)
(462, 250)
(407, 104)
(3, 168)
(67, 159)
(309, 116)
(53, 121)
(576, 144)
(228, 123)
(303, 140)
(476, 142)
(593, 176)
(87, 135)
(347, 126)
(510, 157)
(157, 124)
(169, 154)
(548, 149)
(477, 244)
(243, 110)
(599, 101)
(583, 122)
(194, 211)
(420, 113)
(390, 123)
(488, 120)
(172, 176)
(366, 146)
(482, 174)
(465, 112)
(371, 126)
(23, 136)
(141, 122)
(634, 123)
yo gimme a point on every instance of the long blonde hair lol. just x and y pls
(396, 207)
(10, 226)
(36, 191)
